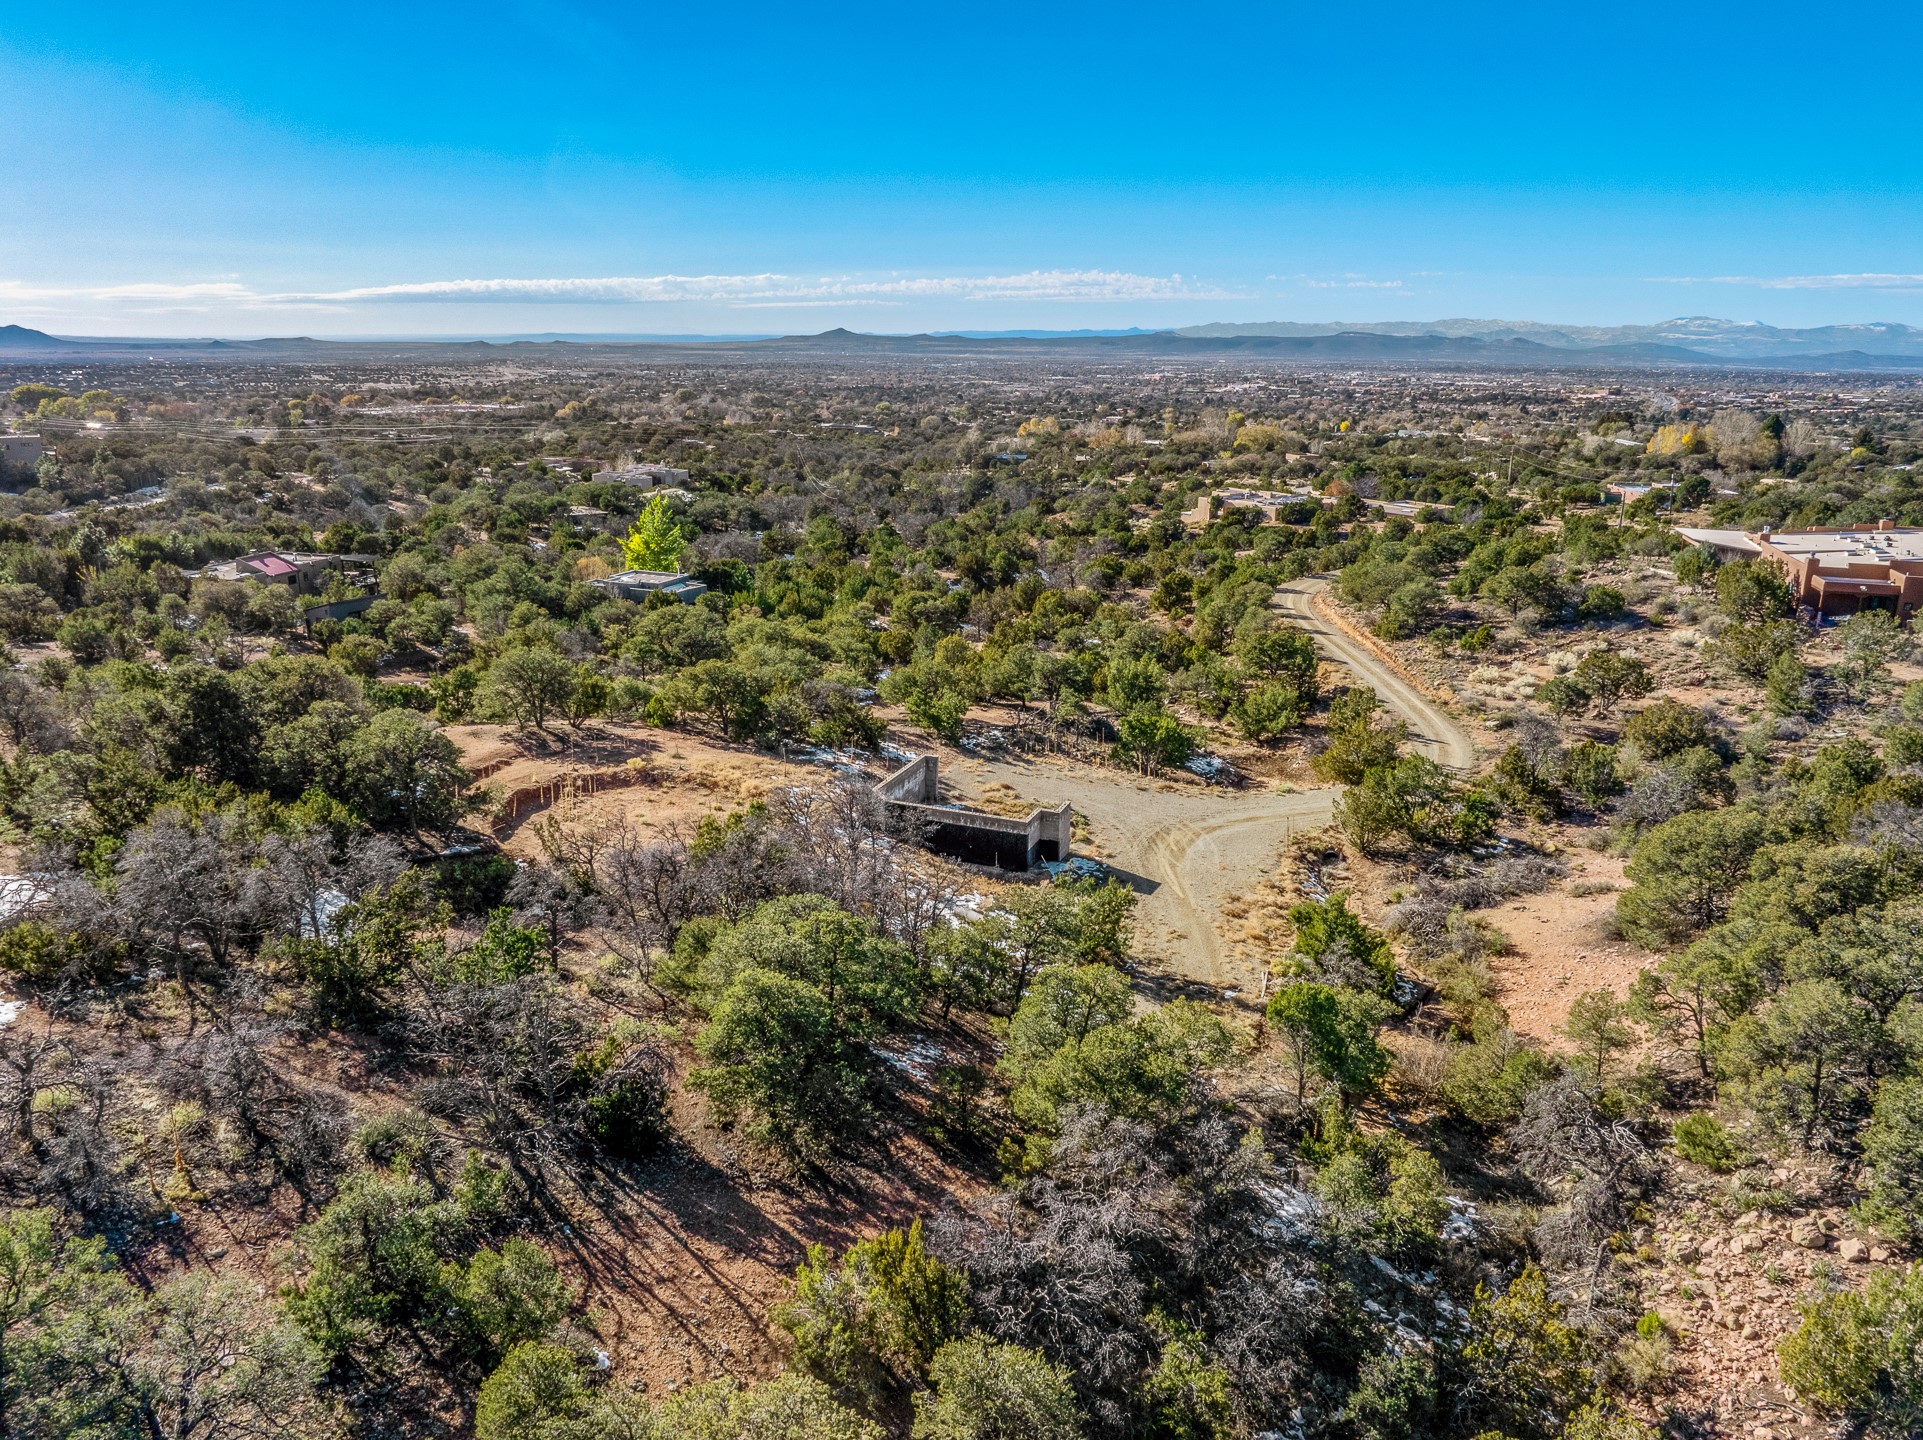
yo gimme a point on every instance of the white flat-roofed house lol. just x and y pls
(20, 453)
(647, 476)
(1270, 503)
(640, 584)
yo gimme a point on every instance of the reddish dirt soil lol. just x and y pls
(687, 777)
(1563, 944)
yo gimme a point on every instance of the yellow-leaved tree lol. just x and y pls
(655, 541)
(1678, 440)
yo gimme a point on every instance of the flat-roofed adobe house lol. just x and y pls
(648, 476)
(1835, 572)
(640, 584)
(1270, 503)
(22, 452)
(304, 574)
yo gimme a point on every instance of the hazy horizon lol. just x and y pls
(1033, 331)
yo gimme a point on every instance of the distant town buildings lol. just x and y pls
(640, 584)
(1834, 572)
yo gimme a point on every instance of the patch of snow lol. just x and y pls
(916, 1056)
(320, 912)
(848, 762)
(1292, 1211)
(1076, 867)
(1209, 767)
(1462, 1221)
(1387, 1269)
(19, 894)
(959, 910)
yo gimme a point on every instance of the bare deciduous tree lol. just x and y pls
(506, 1059)
(1123, 1210)
(309, 875)
(79, 1157)
(299, 1126)
(1595, 1166)
(553, 901)
(30, 1063)
(32, 716)
(1801, 439)
(184, 892)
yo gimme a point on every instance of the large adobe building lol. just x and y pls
(1835, 572)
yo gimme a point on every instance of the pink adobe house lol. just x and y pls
(1835, 572)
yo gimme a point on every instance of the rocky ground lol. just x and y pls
(1725, 1263)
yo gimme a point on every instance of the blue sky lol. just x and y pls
(509, 168)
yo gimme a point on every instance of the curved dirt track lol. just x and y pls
(1186, 851)
(1189, 852)
(1430, 728)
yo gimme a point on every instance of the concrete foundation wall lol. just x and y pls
(1056, 837)
(974, 836)
(971, 836)
(917, 782)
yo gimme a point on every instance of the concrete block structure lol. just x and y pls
(640, 584)
(20, 452)
(336, 610)
(646, 476)
(913, 794)
(1835, 572)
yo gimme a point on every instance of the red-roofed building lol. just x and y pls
(304, 574)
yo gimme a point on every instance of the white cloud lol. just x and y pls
(138, 297)
(1351, 282)
(1866, 280)
(746, 291)
(775, 288)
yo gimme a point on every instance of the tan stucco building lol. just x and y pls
(1835, 572)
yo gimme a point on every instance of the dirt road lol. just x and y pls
(1186, 851)
(1430, 728)
(1190, 852)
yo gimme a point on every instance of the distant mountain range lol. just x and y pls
(1690, 341)
(1698, 334)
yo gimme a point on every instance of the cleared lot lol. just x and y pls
(1189, 852)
